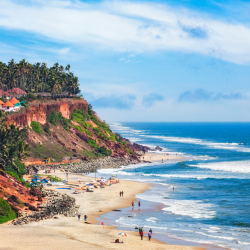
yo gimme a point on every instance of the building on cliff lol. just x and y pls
(16, 92)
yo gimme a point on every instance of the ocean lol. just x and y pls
(211, 202)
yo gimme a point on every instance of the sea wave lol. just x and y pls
(227, 166)
(216, 145)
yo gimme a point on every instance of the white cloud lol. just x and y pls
(128, 26)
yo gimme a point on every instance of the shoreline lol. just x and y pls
(69, 233)
(162, 237)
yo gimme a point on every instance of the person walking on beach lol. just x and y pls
(85, 217)
(122, 193)
(79, 216)
(149, 235)
(142, 234)
(140, 231)
(150, 230)
(139, 204)
(133, 204)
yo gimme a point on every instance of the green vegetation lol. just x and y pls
(130, 151)
(15, 175)
(92, 143)
(80, 117)
(82, 130)
(53, 151)
(46, 130)
(101, 151)
(6, 213)
(100, 133)
(57, 118)
(101, 125)
(104, 151)
(56, 179)
(36, 127)
(88, 132)
(34, 78)
(89, 154)
(12, 148)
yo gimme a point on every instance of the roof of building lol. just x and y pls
(14, 100)
(3, 93)
(1, 102)
(8, 104)
(17, 91)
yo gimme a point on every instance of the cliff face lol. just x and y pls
(37, 111)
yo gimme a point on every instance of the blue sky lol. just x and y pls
(186, 60)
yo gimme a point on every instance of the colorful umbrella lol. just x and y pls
(123, 235)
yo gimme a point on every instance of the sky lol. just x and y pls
(141, 61)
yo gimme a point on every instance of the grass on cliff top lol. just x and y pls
(6, 213)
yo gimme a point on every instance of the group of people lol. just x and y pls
(85, 217)
(121, 193)
(141, 233)
(133, 205)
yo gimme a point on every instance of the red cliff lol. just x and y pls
(37, 111)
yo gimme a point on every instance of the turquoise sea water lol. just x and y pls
(211, 202)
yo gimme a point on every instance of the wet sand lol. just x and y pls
(160, 156)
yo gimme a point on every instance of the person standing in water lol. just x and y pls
(133, 204)
(139, 204)
(173, 189)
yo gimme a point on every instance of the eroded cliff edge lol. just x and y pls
(37, 111)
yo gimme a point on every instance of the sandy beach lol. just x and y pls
(159, 157)
(69, 233)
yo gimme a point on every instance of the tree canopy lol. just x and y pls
(13, 148)
(37, 77)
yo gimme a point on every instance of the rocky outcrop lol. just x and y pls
(56, 203)
(138, 147)
(37, 111)
(92, 166)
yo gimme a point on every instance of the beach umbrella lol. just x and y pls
(123, 235)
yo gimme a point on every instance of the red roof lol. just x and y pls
(14, 101)
(8, 104)
(3, 93)
(1, 102)
(17, 91)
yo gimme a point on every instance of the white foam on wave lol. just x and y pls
(227, 166)
(152, 219)
(192, 208)
(117, 127)
(217, 145)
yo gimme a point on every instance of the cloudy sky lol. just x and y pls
(185, 60)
